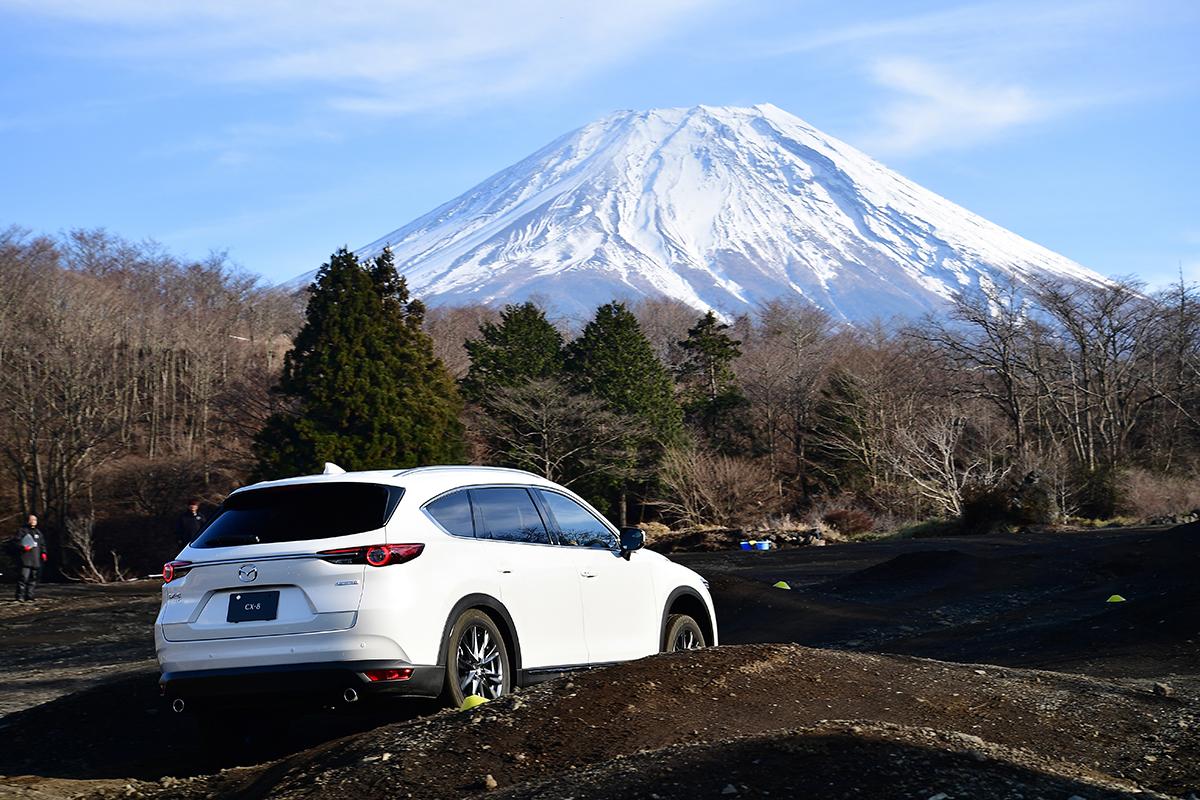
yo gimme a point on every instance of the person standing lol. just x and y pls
(190, 524)
(31, 555)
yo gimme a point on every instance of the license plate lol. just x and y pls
(252, 606)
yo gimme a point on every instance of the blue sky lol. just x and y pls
(279, 131)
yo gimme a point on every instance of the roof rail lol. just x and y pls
(435, 467)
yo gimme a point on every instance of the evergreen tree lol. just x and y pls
(368, 391)
(613, 361)
(712, 401)
(523, 347)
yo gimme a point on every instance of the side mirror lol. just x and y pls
(631, 539)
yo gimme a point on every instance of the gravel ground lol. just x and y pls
(72, 637)
(967, 667)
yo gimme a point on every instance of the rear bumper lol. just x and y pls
(330, 678)
(287, 650)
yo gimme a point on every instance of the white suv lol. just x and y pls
(467, 580)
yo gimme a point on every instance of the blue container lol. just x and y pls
(747, 546)
(762, 545)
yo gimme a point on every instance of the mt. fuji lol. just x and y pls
(717, 207)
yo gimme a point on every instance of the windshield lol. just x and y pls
(300, 511)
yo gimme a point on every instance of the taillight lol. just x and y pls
(175, 569)
(376, 555)
(376, 675)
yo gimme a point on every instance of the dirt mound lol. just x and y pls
(702, 703)
(908, 575)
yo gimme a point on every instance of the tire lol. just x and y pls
(477, 660)
(683, 633)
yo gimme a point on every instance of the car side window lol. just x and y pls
(508, 514)
(453, 512)
(576, 525)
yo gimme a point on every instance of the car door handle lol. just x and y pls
(587, 573)
(504, 571)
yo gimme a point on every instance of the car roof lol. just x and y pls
(421, 481)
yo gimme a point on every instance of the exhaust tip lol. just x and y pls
(177, 705)
(350, 696)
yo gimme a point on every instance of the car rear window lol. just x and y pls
(299, 512)
(453, 512)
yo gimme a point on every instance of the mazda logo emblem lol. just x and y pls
(248, 573)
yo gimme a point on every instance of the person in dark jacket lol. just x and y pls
(31, 555)
(190, 524)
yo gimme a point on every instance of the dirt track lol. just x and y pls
(750, 720)
(1032, 600)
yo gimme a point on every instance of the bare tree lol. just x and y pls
(665, 324)
(79, 542)
(543, 427)
(706, 489)
(1175, 376)
(58, 389)
(785, 362)
(985, 337)
(1102, 341)
(939, 453)
(450, 327)
(110, 349)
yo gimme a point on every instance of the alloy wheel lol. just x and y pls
(686, 639)
(480, 665)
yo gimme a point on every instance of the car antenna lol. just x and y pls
(332, 469)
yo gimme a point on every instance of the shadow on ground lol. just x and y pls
(830, 764)
(121, 729)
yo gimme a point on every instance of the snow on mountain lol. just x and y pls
(719, 208)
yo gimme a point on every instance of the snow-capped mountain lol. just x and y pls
(719, 208)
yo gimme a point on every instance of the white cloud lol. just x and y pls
(982, 29)
(932, 108)
(374, 55)
(959, 76)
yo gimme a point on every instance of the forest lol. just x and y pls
(131, 380)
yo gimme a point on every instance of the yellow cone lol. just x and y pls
(470, 701)
(781, 585)
(1116, 598)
